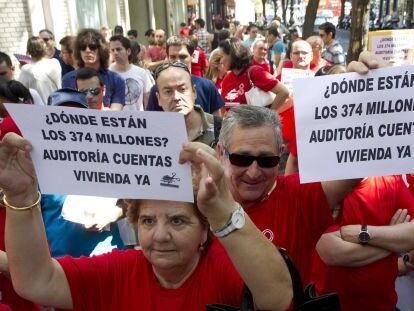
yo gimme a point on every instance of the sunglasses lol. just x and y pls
(46, 39)
(92, 46)
(91, 90)
(166, 65)
(244, 160)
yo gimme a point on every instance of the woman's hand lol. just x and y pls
(366, 61)
(214, 199)
(17, 174)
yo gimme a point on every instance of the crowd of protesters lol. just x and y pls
(179, 256)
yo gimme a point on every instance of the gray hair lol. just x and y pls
(247, 116)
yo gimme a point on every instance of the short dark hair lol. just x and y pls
(14, 91)
(240, 55)
(118, 30)
(223, 35)
(135, 50)
(49, 32)
(218, 24)
(149, 32)
(125, 43)
(4, 58)
(201, 22)
(67, 43)
(328, 28)
(133, 33)
(90, 35)
(87, 73)
(179, 41)
(273, 31)
(226, 24)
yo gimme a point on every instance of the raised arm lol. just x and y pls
(250, 252)
(35, 275)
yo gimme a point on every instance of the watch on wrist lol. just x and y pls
(364, 237)
(237, 221)
(407, 263)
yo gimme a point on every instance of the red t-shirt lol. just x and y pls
(294, 217)
(9, 298)
(265, 65)
(372, 287)
(124, 280)
(234, 87)
(156, 53)
(8, 126)
(410, 181)
(199, 62)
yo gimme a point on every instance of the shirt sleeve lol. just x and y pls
(216, 101)
(263, 79)
(153, 100)
(278, 47)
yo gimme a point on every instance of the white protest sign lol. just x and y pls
(107, 154)
(290, 74)
(352, 125)
(394, 46)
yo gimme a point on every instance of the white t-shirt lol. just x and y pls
(43, 76)
(37, 100)
(137, 83)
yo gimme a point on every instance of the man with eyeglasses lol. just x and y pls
(208, 98)
(177, 93)
(333, 53)
(91, 51)
(290, 214)
(90, 84)
(52, 52)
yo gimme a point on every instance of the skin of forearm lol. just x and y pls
(336, 252)
(247, 248)
(396, 238)
(280, 99)
(30, 264)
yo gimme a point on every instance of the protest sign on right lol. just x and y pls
(352, 125)
(393, 46)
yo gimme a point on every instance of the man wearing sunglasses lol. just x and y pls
(52, 51)
(90, 84)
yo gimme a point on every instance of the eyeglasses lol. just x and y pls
(91, 90)
(244, 160)
(47, 39)
(92, 46)
(166, 65)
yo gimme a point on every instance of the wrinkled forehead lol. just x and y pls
(173, 76)
(166, 208)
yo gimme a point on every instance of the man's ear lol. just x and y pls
(220, 151)
(195, 91)
(158, 98)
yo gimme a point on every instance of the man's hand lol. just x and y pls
(99, 222)
(350, 233)
(400, 216)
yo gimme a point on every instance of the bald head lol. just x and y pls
(301, 54)
(159, 37)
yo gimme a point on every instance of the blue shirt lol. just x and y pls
(208, 97)
(114, 85)
(69, 238)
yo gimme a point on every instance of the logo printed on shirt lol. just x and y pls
(268, 234)
(232, 95)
